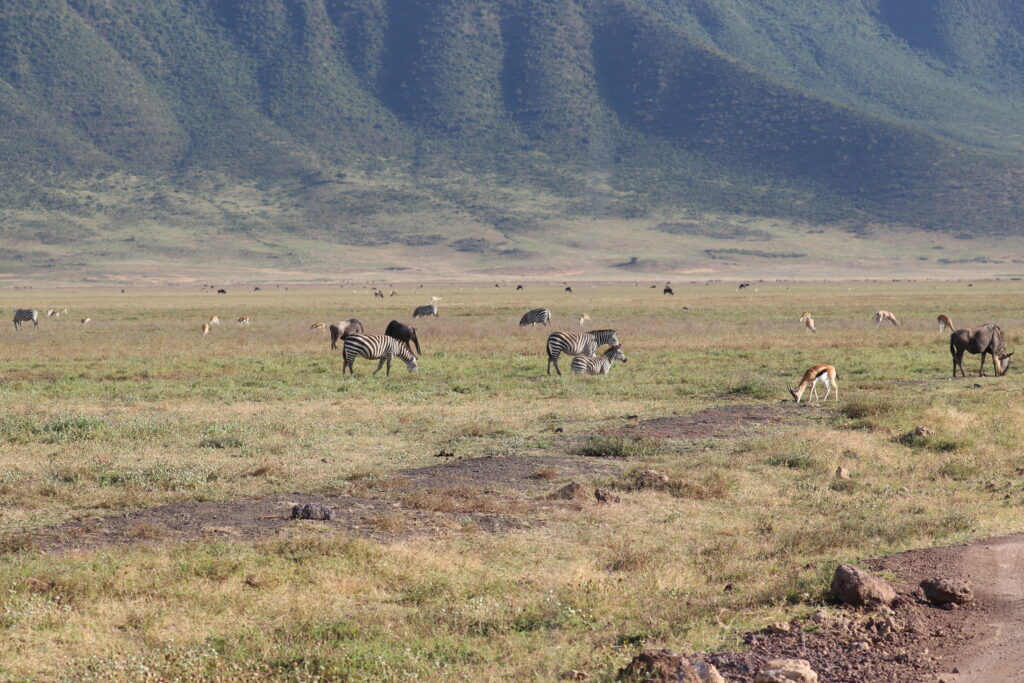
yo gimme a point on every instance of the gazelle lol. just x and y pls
(945, 323)
(584, 318)
(819, 373)
(206, 328)
(317, 327)
(85, 321)
(435, 299)
(880, 316)
(244, 320)
(214, 320)
(808, 321)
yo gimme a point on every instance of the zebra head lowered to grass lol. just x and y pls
(598, 365)
(23, 315)
(424, 311)
(577, 344)
(541, 316)
(376, 347)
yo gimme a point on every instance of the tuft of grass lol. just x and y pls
(614, 446)
(794, 461)
(960, 468)
(760, 388)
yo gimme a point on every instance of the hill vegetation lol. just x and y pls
(265, 128)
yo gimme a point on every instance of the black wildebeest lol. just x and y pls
(343, 329)
(987, 339)
(397, 330)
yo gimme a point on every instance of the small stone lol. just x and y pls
(779, 628)
(707, 673)
(786, 671)
(659, 665)
(842, 473)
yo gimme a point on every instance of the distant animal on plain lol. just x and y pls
(23, 315)
(255, 289)
(518, 287)
(342, 329)
(538, 316)
(394, 293)
(403, 333)
(86, 321)
(568, 290)
(377, 294)
(885, 316)
(668, 289)
(945, 323)
(54, 313)
(584, 318)
(435, 299)
(597, 365)
(496, 285)
(987, 339)
(374, 347)
(243, 321)
(424, 311)
(577, 344)
(808, 321)
(219, 291)
(214, 320)
(317, 327)
(743, 285)
(818, 373)
(206, 328)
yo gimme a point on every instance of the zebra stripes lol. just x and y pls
(374, 347)
(424, 311)
(597, 365)
(23, 315)
(577, 344)
(537, 316)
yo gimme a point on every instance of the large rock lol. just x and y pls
(942, 592)
(667, 666)
(786, 671)
(858, 588)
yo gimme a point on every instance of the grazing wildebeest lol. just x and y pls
(743, 285)
(518, 287)
(568, 290)
(668, 289)
(343, 329)
(222, 291)
(987, 339)
(401, 332)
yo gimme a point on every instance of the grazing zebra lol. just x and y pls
(344, 328)
(540, 316)
(376, 346)
(244, 320)
(598, 365)
(23, 315)
(424, 311)
(577, 344)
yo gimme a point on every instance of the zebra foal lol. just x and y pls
(23, 315)
(577, 344)
(376, 347)
(538, 316)
(598, 365)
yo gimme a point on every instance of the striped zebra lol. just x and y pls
(577, 344)
(598, 365)
(424, 311)
(540, 316)
(376, 346)
(23, 315)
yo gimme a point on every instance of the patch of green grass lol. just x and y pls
(613, 446)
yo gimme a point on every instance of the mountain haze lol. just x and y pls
(490, 133)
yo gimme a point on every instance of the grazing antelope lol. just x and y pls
(435, 299)
(23, 315)
(597, 365)
(54, 313)
(819, 373)
(540, 316)
(318, 327)
(808, 321)
(394, 293)
(244, 320)
(945, 323)
(206, 329)
(881, 316)
(987, 339)
(584, 318)
(214, 320)
(85, 321)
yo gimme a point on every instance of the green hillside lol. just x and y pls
(293, 136)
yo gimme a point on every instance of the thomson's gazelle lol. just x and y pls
(808, 321)
(819, 373)
(945, 323)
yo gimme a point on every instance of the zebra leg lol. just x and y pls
(379, 365)
(388, 373)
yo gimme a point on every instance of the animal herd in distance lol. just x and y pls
(399, 339)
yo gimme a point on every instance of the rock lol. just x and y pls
(942, 592)
(574, 675)
(786, 671)
(779, 628)
(921, 430)
(659, 666)
(842, 473)
(707, 673)
(650, 479)
(857, 587)
(605, 496)
(570, 491)
(312, 511)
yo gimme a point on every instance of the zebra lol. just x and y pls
(537, 315)
(424, 311)
(376, 346)
(577, 344)
(342, 329)
(23, 315)
(598, 365)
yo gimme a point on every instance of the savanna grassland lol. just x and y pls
(138, 409)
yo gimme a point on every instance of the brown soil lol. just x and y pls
(480, 494)
(983, 641)
(722, 421)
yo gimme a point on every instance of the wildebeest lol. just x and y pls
(743, 285)
(222, 291)
(987, 339)
(402, 332)
(518, 287)
(344, 328)
(668, 289)
(568, 290)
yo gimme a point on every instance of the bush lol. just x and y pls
(621, 447)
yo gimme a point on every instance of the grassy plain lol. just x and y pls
(138, 409)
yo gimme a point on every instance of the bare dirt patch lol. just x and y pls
(718, 422)
(479, 494)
